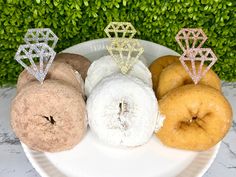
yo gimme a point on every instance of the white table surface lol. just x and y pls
(13, 162)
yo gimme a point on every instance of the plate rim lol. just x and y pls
(41, 170)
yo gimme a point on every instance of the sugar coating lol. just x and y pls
(49, 117)
(122, 110)
(106, 66)
(57, 71)
(78, 62)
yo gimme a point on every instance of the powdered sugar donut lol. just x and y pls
(106, 66)
(144, 60)
(122, 110)
(49, 117)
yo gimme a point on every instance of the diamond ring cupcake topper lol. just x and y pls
(125, 53)
(191, 41)
(190, 38)
(120, 30)
(32, 52)
(124, 50)
(37, 50)
(41, 35)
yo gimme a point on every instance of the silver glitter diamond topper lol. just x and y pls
(41, 35)
(34, 53)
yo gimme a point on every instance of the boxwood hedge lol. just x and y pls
(75, 21)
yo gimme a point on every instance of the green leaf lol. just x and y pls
(75, 21)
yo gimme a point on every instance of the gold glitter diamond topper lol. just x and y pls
(120, 30)
(125, 52)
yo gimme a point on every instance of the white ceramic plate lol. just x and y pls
(91, 158)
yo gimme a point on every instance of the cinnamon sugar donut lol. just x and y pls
(197, 117)
(175, 75)
(49, 117)
(78, 62)
(57, 71)
(158, 65)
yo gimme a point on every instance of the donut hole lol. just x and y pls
(50, 119)
(193, 123)
(123, 109)
(48, 76)
(120, 118)
(187, 81)
(194, 118)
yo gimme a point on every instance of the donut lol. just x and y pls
(175, 75)
(78, 62)
(144, 60)
(106, 66)
(158, 65)
(197, 117)
(57, 71)
(49, 117)
(122, 111)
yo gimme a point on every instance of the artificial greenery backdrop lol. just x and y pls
(75, 21)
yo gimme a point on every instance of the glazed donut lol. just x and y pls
(49, 117)
(175, 76)
(106, 66)
(78, 62)
(57, 71)
(158, 65)
(197, 117)
(122, 110)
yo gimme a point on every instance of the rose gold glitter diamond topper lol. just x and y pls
(189, 38)
(124, 50)
(191, 41)
(37, 52)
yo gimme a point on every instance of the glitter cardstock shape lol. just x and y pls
(41, 35)
(120, 30)
(123, 48)
(198, 55)
(189, 38)
(32, 52)
(191, 41)
(125, 52)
